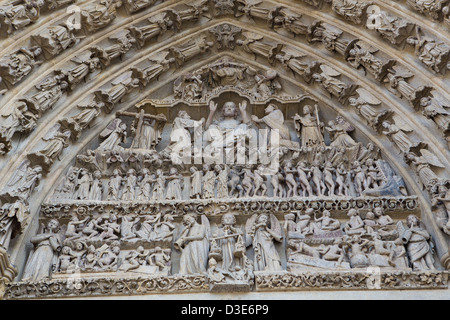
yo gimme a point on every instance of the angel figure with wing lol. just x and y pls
(291, 61)
(364, 107)
(194, 245)
(58, 141)
(47, 245)
(339, 130)
(330, 82)
(114, 134)
(397, 133)
(159, 63)
(24, 180)
(423, 165)
(88, 62)
(157, 24)
(121, 86)
(262, 230)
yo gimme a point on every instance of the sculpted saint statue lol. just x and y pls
(309, 128)
(228, 131)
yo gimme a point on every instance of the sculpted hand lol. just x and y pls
(243, 106)
(255, 118)
(213, 106)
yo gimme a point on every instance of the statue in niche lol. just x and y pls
(146, 129)
(16, 16)
(123, 43)
(58, 141)
(191, 49)
(418, 242)
(228, 131)
(208, 182)
(158, 192)
(145, 186)
(129, 192)
(364, 107)
(84, 185)
(334, 86)
(252, 44)
(290, 61)
(194, 245)
(179, 149)
(24, 180)
(13, 220)
(339, 130)
(19, 64)
(227, 238)
(289, 21)
(262, 232)
(46, 247)
(96, 192)
(396, 132)
(55, 39)
(362, 55)
(114, 134)
(158, 24)
(89, 62)
(309, 128)
(351, 10)
(121, 87)
(114, 184)
(159, 64)
(392, 28)
(434, 110)
(331, 38)
(422, 165)
(196, 183)
(19, 120)
(50, 91)
(222, 180)
(101, 15)
(195, 11)
(76, 124)
(174, 189)
(433, 53)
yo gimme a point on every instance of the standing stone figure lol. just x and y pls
(194, 245)
(263, 231)
(46, 248)
(309, 128)
(418, 245)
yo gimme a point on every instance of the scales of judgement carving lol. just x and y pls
(226, 185)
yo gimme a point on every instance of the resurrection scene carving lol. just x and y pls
(223, 146)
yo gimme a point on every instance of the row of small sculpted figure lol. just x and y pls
(225, 248)
(219, 181)
(127, 228)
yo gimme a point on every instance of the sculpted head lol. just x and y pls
(229, 109)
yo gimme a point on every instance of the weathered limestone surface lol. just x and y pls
(202, 147)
